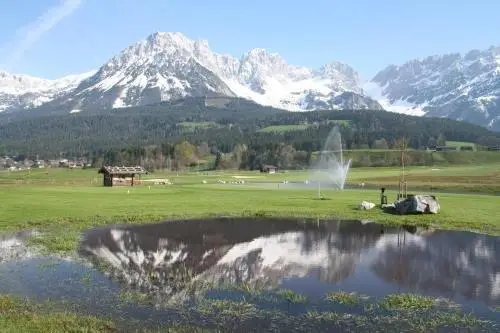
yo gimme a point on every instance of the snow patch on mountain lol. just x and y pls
(374, 91)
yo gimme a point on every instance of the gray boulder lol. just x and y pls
(423, 204)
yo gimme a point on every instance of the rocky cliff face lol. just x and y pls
(461, 87)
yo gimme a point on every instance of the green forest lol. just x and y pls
(233, 134)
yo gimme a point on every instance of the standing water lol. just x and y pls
(330, 166)
(266, 273)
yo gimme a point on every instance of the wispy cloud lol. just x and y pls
(28, 35)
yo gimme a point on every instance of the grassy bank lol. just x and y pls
(64, 202)
(394, 313)
(17, 316)
(383, 158)
(474, 178)
(66, 211)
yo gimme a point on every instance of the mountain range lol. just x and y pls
(170, 66)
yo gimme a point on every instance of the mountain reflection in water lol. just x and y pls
(347, 254)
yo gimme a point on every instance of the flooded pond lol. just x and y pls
(221, 271)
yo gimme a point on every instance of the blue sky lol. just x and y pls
(366, 34)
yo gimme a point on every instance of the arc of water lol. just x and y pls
(330, 163)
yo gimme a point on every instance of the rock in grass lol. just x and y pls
(365, 205)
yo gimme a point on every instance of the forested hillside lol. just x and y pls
(219, 126)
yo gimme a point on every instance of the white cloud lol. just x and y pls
(28, 35)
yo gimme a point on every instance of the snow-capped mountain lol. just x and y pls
(169, 66)
(24, 92)
(462, 87)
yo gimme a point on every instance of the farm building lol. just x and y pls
(269, 168)
(115, 175)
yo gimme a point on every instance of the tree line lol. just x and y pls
(158, 134)
(185, 155)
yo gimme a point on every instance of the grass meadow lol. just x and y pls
(63, 202)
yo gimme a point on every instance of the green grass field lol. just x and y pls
(397, 313)
(191, 126)
(483, 179)
(345, 123)
(459, 144)
(72, 200)
(26, 317)
(299, 127)
(284, 128)
(61, 203)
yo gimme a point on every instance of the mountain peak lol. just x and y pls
(165, 40)
(259, 64)
(260, 55)
(337, 67)
(162, 42)
(169, 38)
(261, 52)
(166, 34)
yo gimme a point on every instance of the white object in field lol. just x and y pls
(204, 181)
(366, 205)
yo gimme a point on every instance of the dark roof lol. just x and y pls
(122, 170)
(268, 166)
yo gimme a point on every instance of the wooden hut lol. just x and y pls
(268, 168)
(121, 175)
